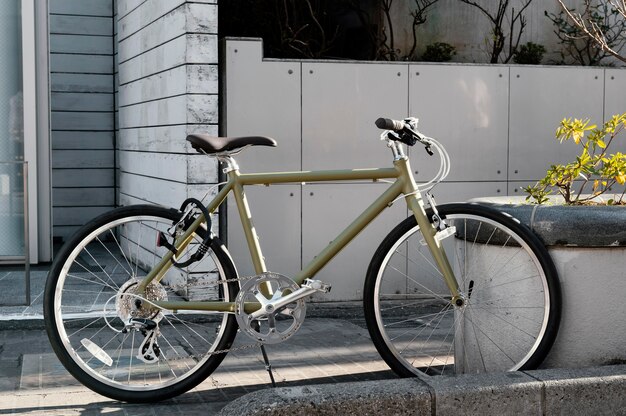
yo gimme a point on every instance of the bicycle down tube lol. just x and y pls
(403, 184)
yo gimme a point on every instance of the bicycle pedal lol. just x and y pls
(317, 285)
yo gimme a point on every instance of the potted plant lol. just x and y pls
(579, 211)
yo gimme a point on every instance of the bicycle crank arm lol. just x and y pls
(308, 288)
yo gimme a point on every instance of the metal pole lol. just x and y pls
(26, 236)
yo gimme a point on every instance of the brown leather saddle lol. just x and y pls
(211, 144)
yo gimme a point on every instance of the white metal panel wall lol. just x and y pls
(614, 97)
(615, 103)
(466, 109)
(497, 122)
(340, 103)
(277, 219)
(326, 210)
(447, 192)
(339, 106)
(263, 98)
(540, 98)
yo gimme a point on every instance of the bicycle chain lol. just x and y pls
(216, 283)
(210, 284)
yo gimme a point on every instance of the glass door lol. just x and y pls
(12, 170)
(18, 132)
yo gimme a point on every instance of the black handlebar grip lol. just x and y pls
(389, 124)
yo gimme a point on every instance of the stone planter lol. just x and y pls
(588, 246)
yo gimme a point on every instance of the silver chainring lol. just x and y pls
(278, 325)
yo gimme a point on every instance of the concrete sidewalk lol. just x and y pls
(330, 367)
(335, 351)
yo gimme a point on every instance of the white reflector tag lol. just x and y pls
(97, 352)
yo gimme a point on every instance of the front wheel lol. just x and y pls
(115, 340)
(509, 312)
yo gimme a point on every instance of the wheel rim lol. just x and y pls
(492, 330)
(86, 303)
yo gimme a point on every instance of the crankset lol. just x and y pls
(270, 308)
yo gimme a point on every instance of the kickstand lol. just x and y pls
(268, 366)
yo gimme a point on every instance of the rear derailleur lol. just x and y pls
(149, 351)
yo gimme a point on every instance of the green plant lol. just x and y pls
(439, 52)
(594, 164)
(529, 54)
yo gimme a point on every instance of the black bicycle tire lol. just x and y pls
(471, 209)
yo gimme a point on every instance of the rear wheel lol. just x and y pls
(510, 310)
(118, 343)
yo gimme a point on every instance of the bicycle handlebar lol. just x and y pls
(404, 131)
(389, 124)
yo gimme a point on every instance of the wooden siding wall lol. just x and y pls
(82, 111)
(167, 54)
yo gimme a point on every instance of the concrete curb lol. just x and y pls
(597, 390)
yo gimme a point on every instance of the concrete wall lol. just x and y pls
(168, 86)
(496, 121)
(82, 120)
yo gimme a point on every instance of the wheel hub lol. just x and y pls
(129, 305)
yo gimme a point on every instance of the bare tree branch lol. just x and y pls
(419, 18)
(499, 40)
(592, 29)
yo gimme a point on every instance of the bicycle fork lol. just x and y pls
(429, 231)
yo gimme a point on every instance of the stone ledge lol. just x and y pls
(597, 390)
(387, 397)
(563, 225)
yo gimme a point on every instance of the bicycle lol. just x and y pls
(144, 302)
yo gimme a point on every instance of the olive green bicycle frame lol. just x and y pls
(404, 184)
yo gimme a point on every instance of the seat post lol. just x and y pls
(229, 161)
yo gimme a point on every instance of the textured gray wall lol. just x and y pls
(82, 105)
(167, 54)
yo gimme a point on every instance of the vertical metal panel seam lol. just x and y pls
(301, 165)
(508, 132)
(115, 103)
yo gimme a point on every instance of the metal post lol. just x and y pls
(26, 236)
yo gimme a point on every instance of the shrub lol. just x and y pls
(529, 54)
(594, 164)
(439, 52)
